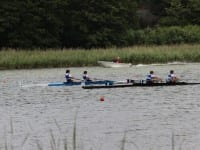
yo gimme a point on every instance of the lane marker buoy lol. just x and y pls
(102, 98)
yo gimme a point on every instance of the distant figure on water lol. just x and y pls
(69, 77)
(117, 60)
(172, 78)
(86, 76)
(151, 78)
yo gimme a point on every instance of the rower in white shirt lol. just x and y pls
(171, 77)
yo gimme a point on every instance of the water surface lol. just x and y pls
(35, 116)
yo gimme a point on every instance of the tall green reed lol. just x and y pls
(12, 59)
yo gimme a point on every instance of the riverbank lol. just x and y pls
(28, 59)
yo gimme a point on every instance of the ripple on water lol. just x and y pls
(147, 118)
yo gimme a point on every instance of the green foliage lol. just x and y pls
(181, 13)
(165, 35)
(31, 24)
(11, 59)
(98, 23)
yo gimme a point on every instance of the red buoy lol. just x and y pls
(102, 98)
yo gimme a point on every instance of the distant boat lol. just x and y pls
(111, 64)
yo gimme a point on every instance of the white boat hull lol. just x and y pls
(113, 64)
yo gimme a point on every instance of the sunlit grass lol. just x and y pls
(19, 59)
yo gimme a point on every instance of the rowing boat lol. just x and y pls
(100, 82)
(110, 64)
(136, 85)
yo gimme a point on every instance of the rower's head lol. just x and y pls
(151, 72)
(171, 71)
(67, 71)
(85, 72)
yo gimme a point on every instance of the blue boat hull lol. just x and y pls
(105, 82)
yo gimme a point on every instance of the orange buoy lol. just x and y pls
(102, 98)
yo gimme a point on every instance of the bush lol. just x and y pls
(165, 35)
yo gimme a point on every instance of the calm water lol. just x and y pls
(35, 116)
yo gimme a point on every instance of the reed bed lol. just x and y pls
(22, 59)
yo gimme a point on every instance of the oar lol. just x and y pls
(97, 79)
(120, 82)
(188, 79)
(101, 79)
(76, 79)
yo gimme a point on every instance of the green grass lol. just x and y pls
(20, 59)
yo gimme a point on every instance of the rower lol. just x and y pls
(69, 77)
(117, 60)
(172, 78)
(151, 78)
(86, 77)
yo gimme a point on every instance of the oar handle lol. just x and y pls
(76, 79)
(97, 79)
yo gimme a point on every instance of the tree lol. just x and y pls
(97, 23)
(31, 24)
(9, 17)
(193, 15)
(182, 12)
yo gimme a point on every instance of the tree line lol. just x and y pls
(30, 24)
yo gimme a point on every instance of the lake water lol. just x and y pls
(35, 116)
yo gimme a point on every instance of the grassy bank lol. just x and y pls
(12, 59)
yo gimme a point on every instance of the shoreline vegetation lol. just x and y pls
(55, 58)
